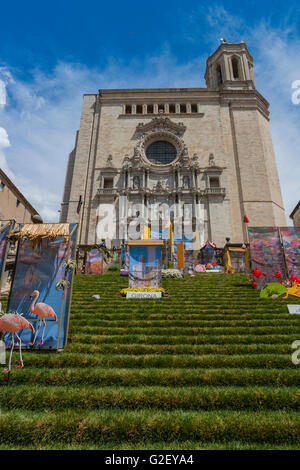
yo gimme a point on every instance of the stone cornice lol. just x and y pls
(229, 48)
(151, 169)
(240, 98)
(151, 115)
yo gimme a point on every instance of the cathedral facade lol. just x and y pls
(199, 157)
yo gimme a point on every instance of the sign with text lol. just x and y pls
(294, 308)
(142, 295)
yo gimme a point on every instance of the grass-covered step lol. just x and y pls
(150, 445)
(99, 426)
(154, 376)
(177, 330)
(136, 348)
(183, 323)
(164, 398)
(286, 339)
(185, 361)
(96, 315)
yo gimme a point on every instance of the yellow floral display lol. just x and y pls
(142, 289)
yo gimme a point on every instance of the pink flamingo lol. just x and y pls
(43, 311)
(13, 322)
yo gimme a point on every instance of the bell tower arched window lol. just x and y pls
(235, 67)
(219, 75)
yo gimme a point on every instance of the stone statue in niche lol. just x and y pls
(186, 182)
(136, 182)
(136, 155)
(211, 160)
(109, 162)
(185, 151)
(126, 162)
(161, 185)
(195, 159)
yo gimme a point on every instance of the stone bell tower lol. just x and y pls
(230, 67)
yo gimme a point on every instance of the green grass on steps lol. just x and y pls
(229, 349)
(208, 367)
(185, 361)
(286, 339)
(90, 397)
(149, 445)
(76, 427)
(168, 377)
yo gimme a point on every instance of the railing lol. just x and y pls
(205, 192)
(107, 191)
(214, 191)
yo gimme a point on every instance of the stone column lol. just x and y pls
(196, 178)
(145, 201)
(174, 178)
(193, 183)
(179, 177)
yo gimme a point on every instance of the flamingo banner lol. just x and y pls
(41, 290)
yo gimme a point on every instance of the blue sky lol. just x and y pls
(50, 54)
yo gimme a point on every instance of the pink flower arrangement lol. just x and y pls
(200, 268)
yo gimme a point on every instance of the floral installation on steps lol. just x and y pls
(142, 289)
(274, 290)
(171, 273)
(202, 268)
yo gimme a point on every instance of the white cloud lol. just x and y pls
(2, 94)
(4, 143)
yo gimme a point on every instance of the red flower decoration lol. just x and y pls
(256, 273)
(278, 275)
(254, 284)
(293, 278)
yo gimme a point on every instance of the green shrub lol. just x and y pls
(114, 267)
